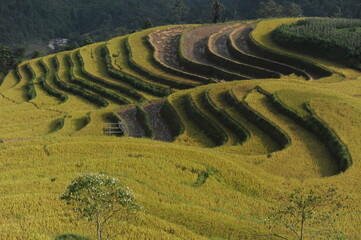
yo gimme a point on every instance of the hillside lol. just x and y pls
(218, 100)
(25, 22)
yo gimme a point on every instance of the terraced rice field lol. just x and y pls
(221, 101)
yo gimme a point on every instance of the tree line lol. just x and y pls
(82, 22)
(23, 20)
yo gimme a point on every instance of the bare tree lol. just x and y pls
(309, 214)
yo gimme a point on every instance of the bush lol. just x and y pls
(71, 236)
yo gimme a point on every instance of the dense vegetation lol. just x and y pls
(24, 20)
(338, 39)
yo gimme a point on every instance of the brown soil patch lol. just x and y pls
(196, 40)
(129, 115)
(158, 124)
(166, 44)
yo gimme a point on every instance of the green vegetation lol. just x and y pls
(338, 39)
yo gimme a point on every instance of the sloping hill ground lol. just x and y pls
(192, 87)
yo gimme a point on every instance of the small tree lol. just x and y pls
(179, 10)
(293, 10)
(147, 24)
(102, 200)
(217, 7)
(270, 8)
(309, 213)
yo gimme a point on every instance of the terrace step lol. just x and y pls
(228, 99)
(217, 51)
(234, 130)
(200, 100)
(9, 81)
(79, 78)
(43, 99)
(193, 55)
(239, 48)
(316, 72)
(47, 82)
(94, 68)
(189, 132)
(165, 44)
(140, 59)
(117, 61)
(59, 62)
(305, 145)
(202, 120)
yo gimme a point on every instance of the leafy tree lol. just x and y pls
(293, 9)
(19, 52)
(179, 10)
(217, 7)
(337, 12)
(147, 23)
(6, 58)
(309, 213)
(86, 41)
(70, 46)
(9, 58)
(270, 8)
(37, 53)
(101, 200)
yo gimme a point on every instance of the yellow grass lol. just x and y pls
(244, 183)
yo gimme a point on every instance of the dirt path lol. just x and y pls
(158, 124)
(129, 115)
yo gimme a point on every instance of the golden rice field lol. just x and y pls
(250, 136)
